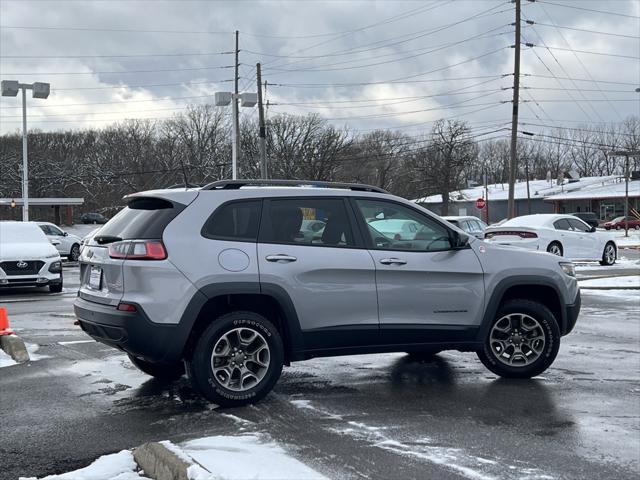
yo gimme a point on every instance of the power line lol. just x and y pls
(119, 71)
(591, 53)
(604, 12)
(145, 85)
(429, 50)
(140, 55)
(633, 37)
(356, 84)
(573, 129)
(579, 60)
(556, 78)
(579, 79)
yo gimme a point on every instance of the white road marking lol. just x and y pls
(75, 342)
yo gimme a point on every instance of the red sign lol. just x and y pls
(480, 203)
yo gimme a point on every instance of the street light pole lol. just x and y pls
(25, 163)
(10, 88)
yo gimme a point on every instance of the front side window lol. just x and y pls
(578, 226)
(55, 230)
(308, 221)
(392, 226)
(235, 221)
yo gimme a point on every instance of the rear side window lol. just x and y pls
(578, 225)
(235, 221)
(308, 221)
(143, 218)
(562, 224)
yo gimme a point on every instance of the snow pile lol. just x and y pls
(626, 282)
(242, 457)
(117, 466)
(6, 360)
(32, 348)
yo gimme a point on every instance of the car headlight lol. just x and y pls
(568, 268)
(55, 267)
(53, 255)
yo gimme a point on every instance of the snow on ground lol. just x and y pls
(6, 360)
(631, 297)
(633, 240)
(628, 281)
(117, 466)
(32, 348)
(115, 373)
(241, 457)
(621, 263)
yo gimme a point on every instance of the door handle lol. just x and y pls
(393, 261)
(280, 258)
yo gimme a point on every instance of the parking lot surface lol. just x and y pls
(370, 416)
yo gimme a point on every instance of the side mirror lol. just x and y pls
(593, 229)
(65, 234)
(459, 240)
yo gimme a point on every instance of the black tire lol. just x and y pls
(57, 288)
(554, 246)
(162, 371)
(200, 366)
(547, 325)
(74, 253)
(608, 260)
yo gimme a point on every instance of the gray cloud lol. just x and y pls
(349, 53)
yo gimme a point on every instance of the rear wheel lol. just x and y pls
(162, 371)
(237, 359)
(608, 255)
(523, 340)
(555, 248)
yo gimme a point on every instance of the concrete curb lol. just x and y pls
(160, 463)
(15, 348)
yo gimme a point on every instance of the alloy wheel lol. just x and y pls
(609, 254)
(555, 249)
(517, 340)
(240, 359)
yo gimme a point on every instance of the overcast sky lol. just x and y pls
(365, 64)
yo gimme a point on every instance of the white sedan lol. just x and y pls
(563, 235)
(68, 245)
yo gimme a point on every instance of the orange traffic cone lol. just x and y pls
(4, 322)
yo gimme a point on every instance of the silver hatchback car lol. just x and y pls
(223, 281)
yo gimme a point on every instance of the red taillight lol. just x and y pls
(127, 307)
(512, 233)
(138, 250)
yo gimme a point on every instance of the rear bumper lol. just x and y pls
(571, 317)
(131, 332)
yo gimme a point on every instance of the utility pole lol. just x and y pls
(526, 172)
(486, 192)
(514, 117)
(236, 120)
(626, 154)
(262, 134)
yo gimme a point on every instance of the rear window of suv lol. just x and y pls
(234, 221)
(143, 218)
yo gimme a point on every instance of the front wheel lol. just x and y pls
(162, 371)
(608, 255)
(56, 288)
(237, 359)
(523, 340)
(74, 254)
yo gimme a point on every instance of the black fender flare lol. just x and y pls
(493, 304)
(276, 292)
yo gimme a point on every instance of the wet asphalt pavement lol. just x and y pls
(371, 416)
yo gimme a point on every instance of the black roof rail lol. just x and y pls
(236, 184)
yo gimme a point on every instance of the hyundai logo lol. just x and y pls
(22, 264)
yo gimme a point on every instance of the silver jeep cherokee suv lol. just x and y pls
(223, 280)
